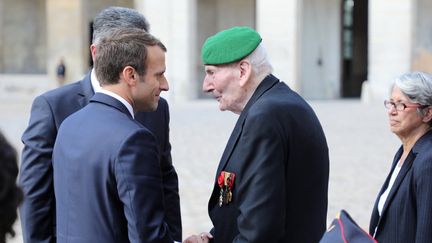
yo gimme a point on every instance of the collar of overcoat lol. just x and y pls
(262, 88)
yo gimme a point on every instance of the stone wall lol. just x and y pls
(24, 87)
(422, 51)
(23, 36)
(390, 44)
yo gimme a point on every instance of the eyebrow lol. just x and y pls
(399, 100)
(160, 73)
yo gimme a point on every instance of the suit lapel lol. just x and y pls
(86, 91)
(264, 86)
(400, 177)
(375, 214)
(232, 141)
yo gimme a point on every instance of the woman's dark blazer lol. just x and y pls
(407, 213)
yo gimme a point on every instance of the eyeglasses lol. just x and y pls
(401, 106)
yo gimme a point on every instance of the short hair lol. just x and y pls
(10, 195)
(124, 47)
(417, 86)
(260, 62)
(113, 18)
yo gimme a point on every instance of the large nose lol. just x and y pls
(164, 84)
(207, 84)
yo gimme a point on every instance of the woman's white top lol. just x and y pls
(384, 196)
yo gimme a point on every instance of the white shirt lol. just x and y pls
(384, 196)
(94, 81)
(97, 88)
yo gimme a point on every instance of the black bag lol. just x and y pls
(344, 230)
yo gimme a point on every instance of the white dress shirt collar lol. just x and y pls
(94, 81)
(97, 88)
(119, 98)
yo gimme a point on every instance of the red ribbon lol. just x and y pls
(226, 179)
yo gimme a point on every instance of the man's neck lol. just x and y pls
(117, 91)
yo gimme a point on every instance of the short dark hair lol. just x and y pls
(10, 195)
(124, 47)
(113, 18)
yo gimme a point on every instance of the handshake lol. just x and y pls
(204, 237)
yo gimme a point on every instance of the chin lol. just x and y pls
(394, 130)
(153, 107)
(222, 108)
(148, 108)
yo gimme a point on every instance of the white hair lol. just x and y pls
(261, 65)
(417, 86)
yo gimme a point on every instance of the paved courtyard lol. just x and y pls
(361, 150)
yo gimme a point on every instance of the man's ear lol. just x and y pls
(93, 51)
(245, 72)
(130, 75)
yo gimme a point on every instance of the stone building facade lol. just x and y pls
(324, 49)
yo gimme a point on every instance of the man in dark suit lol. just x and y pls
(48, 112)
(107, 176)
(271, 183)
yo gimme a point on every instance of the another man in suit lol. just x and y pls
(107, 176)
(271, 183)
(48, 112)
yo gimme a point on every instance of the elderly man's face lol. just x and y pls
(223, 82)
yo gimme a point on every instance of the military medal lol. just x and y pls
(226, 183)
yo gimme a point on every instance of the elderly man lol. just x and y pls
(271, 183)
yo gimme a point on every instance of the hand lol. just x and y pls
(204, 237)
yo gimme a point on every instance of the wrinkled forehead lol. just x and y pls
(397, 95)
(209, 67)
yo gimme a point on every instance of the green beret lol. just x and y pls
(229, 45)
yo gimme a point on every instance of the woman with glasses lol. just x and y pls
(403, 208)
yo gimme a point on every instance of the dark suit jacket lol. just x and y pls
(279, 154)
(107, 177)
(407, 213)
(47, 113)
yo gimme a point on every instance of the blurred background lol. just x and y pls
(324, 49)
(341, 55)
